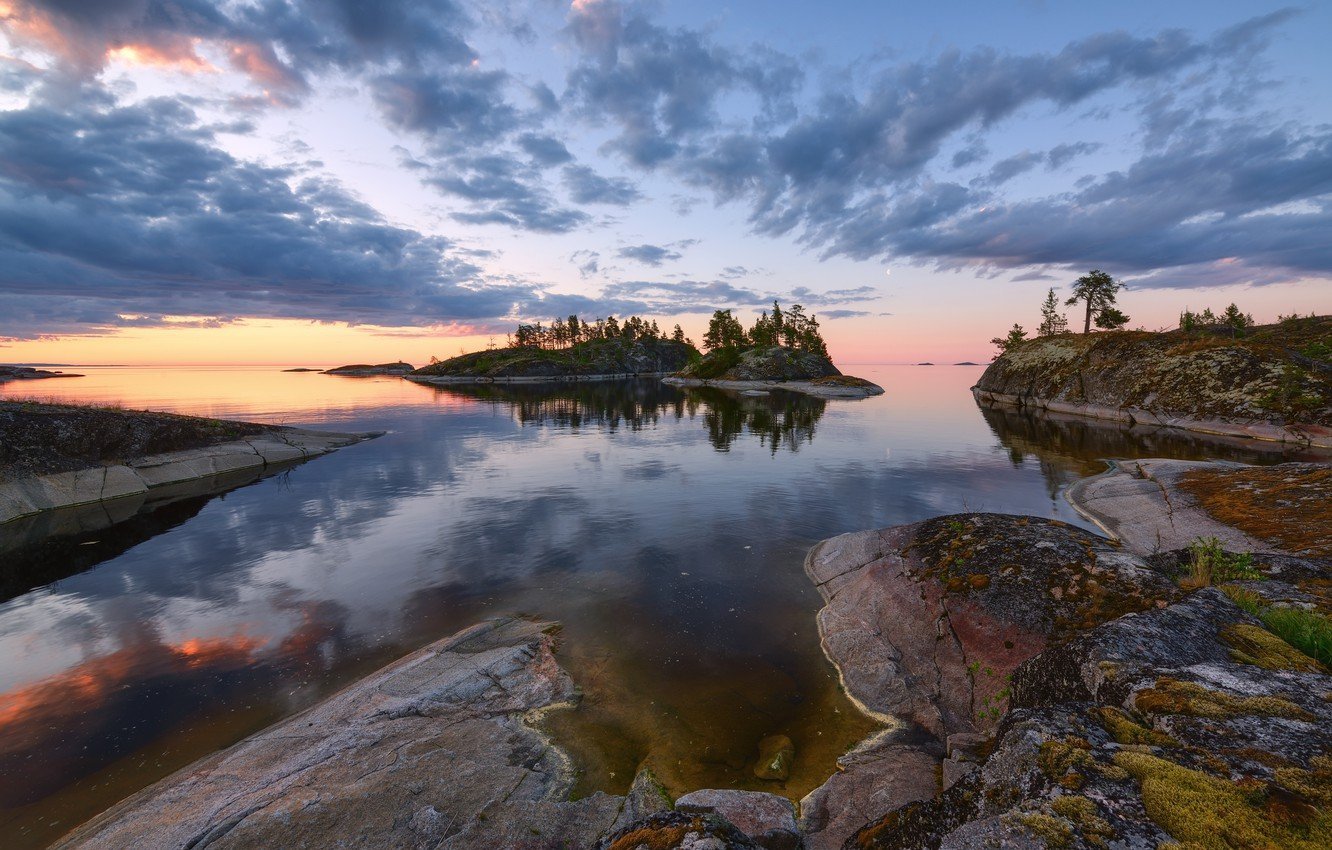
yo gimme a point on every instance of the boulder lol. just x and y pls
(926, 622)
(430, 751)
(676, 830)
(1151, 730)
(766, 818)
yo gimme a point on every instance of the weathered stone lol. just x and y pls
(430, 751)
(141, 477)
(915, 637)
(881, 774)
(775, 754)
(1240, 387)
(1140, 502)
(1142, 732)
(766, 818)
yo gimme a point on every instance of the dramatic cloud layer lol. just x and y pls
(126, 205)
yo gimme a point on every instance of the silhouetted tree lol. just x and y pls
(724, 331)
(1111, 319)
(1098, 290)
(1015, 337)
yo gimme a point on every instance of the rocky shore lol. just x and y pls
(57, 457)
(1047, 688)
(1274, 383)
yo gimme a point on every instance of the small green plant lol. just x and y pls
(1290, 397)
(1308, 631)
(992, 707)
(1210, 564)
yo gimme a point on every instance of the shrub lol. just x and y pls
(1210, 564)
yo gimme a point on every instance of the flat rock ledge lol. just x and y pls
(1312, 435)
(142, 477)
(810, 388)
(1140, 503)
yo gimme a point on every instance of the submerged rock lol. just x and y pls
(776, 753)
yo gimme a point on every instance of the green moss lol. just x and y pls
(1085, 815)
(1259, 647)
(1066, 761)
(1056, 833)
(1126, 730)
(1214, 814)
(1170, 696)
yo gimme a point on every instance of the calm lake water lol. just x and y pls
(664, 529)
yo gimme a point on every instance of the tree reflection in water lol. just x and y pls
(779, 420)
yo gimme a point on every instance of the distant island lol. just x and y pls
(29, 373)
(1233, 377)
(362, 370)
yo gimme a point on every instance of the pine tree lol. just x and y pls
(1052, 321)
(1097, 289)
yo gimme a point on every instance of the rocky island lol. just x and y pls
(31, 373)
(783, 351)
(1271, 382)
(365, 370)
(58, 456)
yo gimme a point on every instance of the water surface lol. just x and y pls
(665, 529)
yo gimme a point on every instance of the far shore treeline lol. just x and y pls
(791, 328)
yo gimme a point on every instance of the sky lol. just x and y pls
(317, 182)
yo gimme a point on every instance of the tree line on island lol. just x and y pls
(566, 333)
(791, 328)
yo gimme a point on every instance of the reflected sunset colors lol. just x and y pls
(664, 529)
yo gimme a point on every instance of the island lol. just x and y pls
(65, 456)
(365, 370)
(31, 373)
(569, 350)
(1267, 382)
(782, 351)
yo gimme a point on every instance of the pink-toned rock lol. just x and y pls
(882, 774)
(766, 818)
(926, 622)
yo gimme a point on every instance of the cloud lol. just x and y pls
(133, 210)
(544, 150)
(277, 43)
(587, 187)
(661, 86)
(649, 255)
